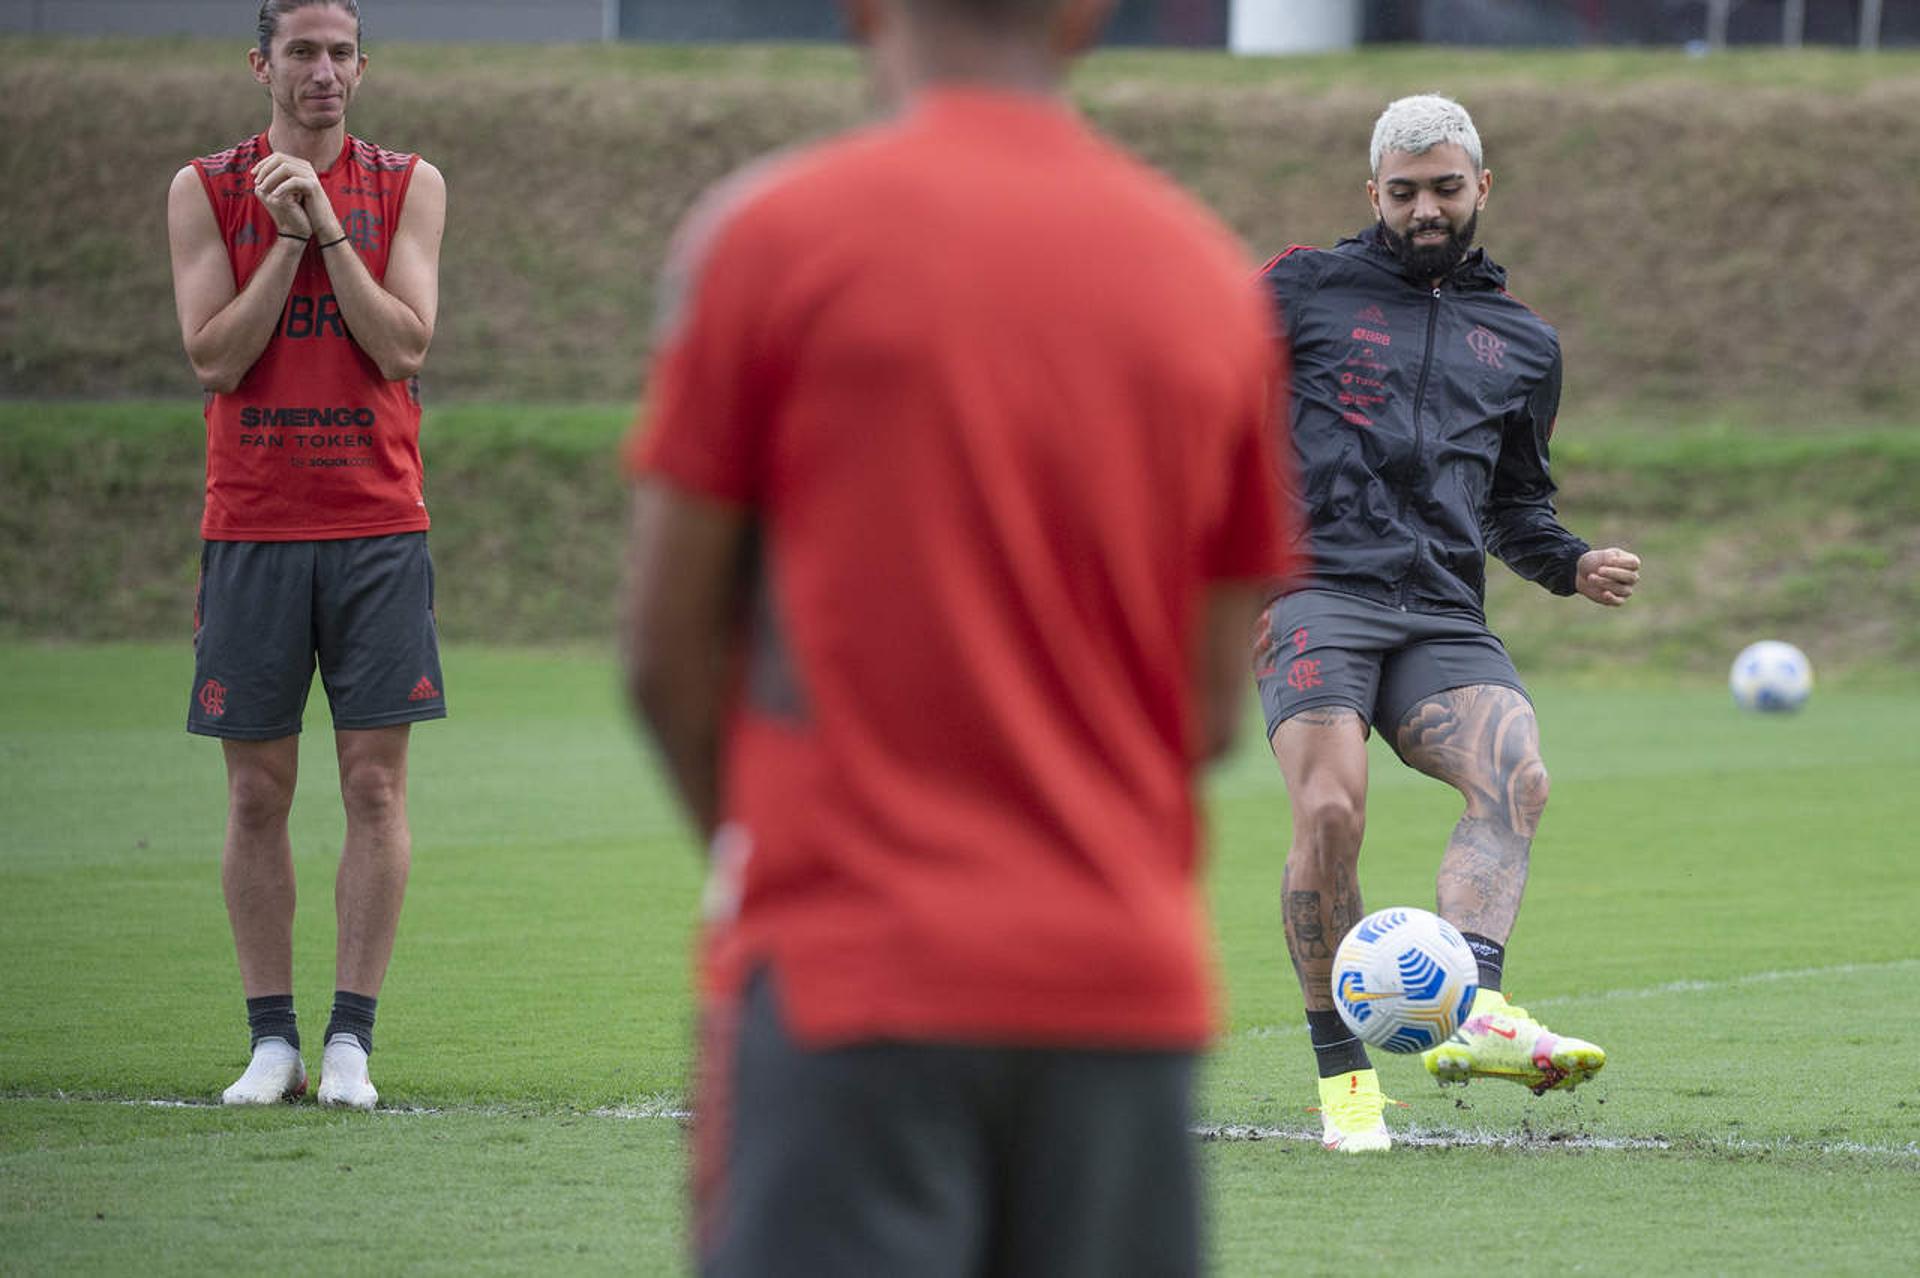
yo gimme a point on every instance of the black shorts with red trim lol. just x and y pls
(269, 612)
(1327, 647)
(935, 1159)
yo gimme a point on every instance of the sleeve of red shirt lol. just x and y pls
(703, 424)
(1256, 537)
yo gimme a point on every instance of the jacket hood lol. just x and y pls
(1475, 270)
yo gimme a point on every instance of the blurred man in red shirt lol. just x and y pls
(957, 497)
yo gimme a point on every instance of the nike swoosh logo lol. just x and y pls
(1503, 1033)
(1360, 996)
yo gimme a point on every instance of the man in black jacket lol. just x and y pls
(1424, 397)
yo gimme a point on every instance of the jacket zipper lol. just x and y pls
(1419, 439)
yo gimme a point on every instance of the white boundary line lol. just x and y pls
(1447, 1138)
(1666, 990)
(1416, 1136)
(667, 1106)
(1466, 1138)
(1735, 982)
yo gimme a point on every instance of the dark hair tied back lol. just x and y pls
(271, 11)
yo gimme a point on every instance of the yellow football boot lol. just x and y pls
(1350, 1113)
(1500, 1040)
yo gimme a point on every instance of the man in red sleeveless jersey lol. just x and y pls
(957, 499)
(306, 276)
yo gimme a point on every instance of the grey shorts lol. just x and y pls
(1326, 647)
(938, 1160)
(268, 612)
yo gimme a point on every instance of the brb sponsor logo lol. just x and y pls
(314, 317)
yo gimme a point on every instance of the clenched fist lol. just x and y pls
(1607, 576)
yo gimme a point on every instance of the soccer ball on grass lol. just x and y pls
(1404, 979)
(1771, 676)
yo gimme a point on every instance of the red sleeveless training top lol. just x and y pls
(313, 444)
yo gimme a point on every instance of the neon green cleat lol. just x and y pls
(1500, 1040)
(1350, 1113)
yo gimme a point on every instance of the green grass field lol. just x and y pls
(1726, 901)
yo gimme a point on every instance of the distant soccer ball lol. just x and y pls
(1404, 979)
(1771, 675)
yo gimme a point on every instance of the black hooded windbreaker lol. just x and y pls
(1420, 417)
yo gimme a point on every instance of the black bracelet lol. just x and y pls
(289, 235)
(330, 243)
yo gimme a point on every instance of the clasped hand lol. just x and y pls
(290, 189)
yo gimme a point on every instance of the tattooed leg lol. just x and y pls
(1322, 753)
(1484, 742)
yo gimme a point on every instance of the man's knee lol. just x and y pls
(258, 797)
(373, 789)
(1527, 789)
(1331, 821)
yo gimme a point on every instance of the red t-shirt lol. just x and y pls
(998, 398)
(314, 443)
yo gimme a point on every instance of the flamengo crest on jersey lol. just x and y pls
(314, 443)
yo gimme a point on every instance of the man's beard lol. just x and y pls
(1431, 261)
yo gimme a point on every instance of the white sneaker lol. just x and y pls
(343, 1075)
(275, 1074)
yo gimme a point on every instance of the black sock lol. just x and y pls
(1490, 955)
(1334, 1047)
(271, 1016)
(352, 1014)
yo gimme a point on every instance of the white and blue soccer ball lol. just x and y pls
(1404, 979)
(1771, 676)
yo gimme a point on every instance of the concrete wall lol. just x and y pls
(520, 20)
(1256, 25)
(728, 20)
(1171, 22)
(1201, 23)
(1305, 26)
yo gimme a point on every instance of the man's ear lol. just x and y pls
(863, 19)
(1078, 25)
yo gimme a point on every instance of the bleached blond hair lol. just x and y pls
(1417, 124)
